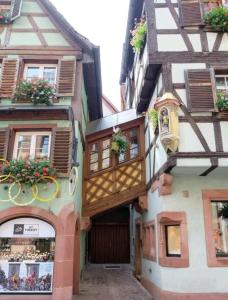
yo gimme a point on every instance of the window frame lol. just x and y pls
(173, 218)
(33, 135)
(100, 152)
(41, 67)
(209, 196)
(149, 241)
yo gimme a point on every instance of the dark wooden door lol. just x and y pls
(109, 243)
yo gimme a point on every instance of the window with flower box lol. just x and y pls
(32, 145)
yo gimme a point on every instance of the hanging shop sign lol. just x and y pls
(27, 250)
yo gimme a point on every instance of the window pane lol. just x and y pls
(134, 148)
(220, 227)
(50, 75)
(32, 73)
(42, 146)
(24, 146)
(173, 241)
(93, 167)
(105, 163)
(220, 82)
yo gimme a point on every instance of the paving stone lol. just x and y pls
(102, 284)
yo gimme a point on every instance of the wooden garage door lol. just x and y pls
(109, 243)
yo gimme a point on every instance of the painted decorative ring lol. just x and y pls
(53, 196)
(4, 177)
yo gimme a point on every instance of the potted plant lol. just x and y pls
(5, 17)
(28, 172)
(36, 91)
(222, 101)
(153, 117)
(138, 35)
(119, 142)
(217, 18)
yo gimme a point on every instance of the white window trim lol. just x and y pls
(33, 135)
(41, 70)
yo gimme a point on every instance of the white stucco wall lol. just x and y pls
(198, 278)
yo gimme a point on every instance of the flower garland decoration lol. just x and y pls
(138, 35)
(28, 172)
(36, 91)
(217, 18)
(119, 143)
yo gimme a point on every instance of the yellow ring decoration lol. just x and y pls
(41, 199)
(13, 199)
(5, 177)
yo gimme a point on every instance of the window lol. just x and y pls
(100, 155)
(216, 227)
(173, 240)
(133, 151)
(222, 81)
(46, 72)
(219, 210)
(210, 4)
(32, 145)
(149, 241)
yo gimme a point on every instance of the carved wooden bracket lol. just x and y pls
(163, 184)
(85, 224)
(143, 202)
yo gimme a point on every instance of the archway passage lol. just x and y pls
(109, 238)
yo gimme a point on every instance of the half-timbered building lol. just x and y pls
(179, 80)
(50, 87)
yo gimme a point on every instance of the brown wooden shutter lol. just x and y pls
(16, 9)
(66, 77)
(201, 90)
(190, 12)
(10, 69)
(4, 141)
(62, 150)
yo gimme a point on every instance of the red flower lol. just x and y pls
(45, 170)
(37, 174)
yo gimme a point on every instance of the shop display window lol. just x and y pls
(26, 256)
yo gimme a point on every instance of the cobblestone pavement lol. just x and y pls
(103, 284)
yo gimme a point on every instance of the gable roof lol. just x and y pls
(93, 83)
(108, 105)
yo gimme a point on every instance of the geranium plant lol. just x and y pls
(217, 18)
(222, 100)
(36, 91)
(119, 143)
(28, 172)
(138, 35)
(5, 17)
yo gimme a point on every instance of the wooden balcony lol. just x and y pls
(114, 187)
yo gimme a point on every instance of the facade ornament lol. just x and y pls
(167, 108)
